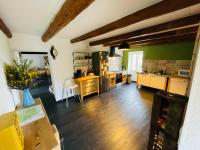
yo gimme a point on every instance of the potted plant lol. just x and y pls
(21, 75)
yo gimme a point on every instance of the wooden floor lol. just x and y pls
(116, 120)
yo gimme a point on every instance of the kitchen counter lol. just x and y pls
(164, 75)
(123, 72)
(153, 74)
(180, 77)
(171, 83)
(156, 81)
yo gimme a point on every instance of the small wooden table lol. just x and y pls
(39, 134)
(88, 85)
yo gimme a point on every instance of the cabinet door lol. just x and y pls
(158, 82)
(143, 79)
(178, 86)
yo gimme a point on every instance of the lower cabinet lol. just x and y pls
(158, 82)
(175, 85)
(112, 80)
(124, 78)
(151, 80)
(143, 79)
(178, 86)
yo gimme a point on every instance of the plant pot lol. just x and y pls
(27, 98)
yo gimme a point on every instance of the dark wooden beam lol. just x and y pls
(179, 32)
(69, 11)
(175, 39)
(189, 36)
(163, 40)
(158, 9)
(172, 25)
(5, 29)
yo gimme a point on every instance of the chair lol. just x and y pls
(51, 89)
(57, 136)
(69, 85)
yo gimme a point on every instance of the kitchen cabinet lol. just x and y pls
(178, 85)
(158, 82)
(143, 79)
(152, 80)
(124, 78)
(112, 80)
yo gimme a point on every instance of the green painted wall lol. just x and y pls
(175, 51)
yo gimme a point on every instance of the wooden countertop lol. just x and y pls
(154, 74)
(86, 78)
(180, 77)
(39, 134)
(116, 72)
(169, 76)
(111, 73)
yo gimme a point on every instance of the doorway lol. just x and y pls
(135, 60)
(40, 63)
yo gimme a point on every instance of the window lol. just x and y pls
(135, 60)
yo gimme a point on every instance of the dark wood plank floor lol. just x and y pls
(116, 120)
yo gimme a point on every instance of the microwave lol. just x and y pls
(184, 73)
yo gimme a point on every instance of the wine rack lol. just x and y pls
(166, 120)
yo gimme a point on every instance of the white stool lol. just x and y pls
(69, 85)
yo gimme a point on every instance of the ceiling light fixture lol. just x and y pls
(124, 46)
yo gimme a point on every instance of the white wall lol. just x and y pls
(189, 139)
(6, 101)
(62, 67)
(98, 48)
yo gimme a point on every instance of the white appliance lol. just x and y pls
(184, 72)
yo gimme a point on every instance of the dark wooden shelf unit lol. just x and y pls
(166, 120)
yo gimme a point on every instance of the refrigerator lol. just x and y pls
(100, 68)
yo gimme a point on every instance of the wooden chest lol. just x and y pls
(88, 85)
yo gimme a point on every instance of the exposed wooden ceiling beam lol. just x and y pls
(158, 9)
(69, 11)
(189, 37)
(179, 32)
(163, 40)
(172, 25)
(160, 42)
(5, 29)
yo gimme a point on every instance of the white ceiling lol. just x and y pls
(34, 16)
(28, 16)
(102, 12)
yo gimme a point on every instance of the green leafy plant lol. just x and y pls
(20, 74)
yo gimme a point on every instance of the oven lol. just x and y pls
(118, 78)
